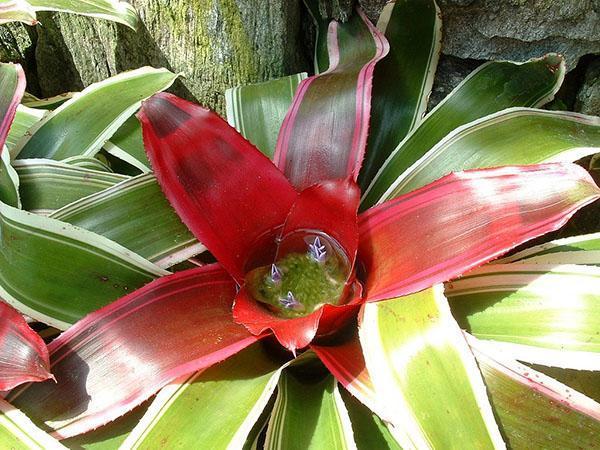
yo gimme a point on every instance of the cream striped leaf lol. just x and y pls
(217, 407)
(135, 214)
(56, 273)
(514, 136)
(542, 314)
(257, 110)
(82, 124)
(583, 249)
(536, 411)
(17, 432)
(424, 373)
(48, 185)
(309, 414)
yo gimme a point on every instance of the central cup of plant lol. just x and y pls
(310, 270)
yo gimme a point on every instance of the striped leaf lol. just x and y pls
(257, 110)
(17, 432)
(338, 99)
(127, 144)
(135, 214)
(541, 314)
(320, 56)
(534, 410)
(81, 125)
(24, 10)
(9, 182)
(491, 88)
(403, 79)
(57, 273)
(12, 87)
(47, 185)
(31, 101)
(110, 436)
(423, 371)
(309, 414)
(370, 432)
(25, 118)
(85, 162)
(573, 250)
(217, 407)
(512, 136)
(98, 377)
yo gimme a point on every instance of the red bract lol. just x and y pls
(243, 209)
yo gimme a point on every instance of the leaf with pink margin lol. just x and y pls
(117, 357)
(12, 88)
(23, 354)
(463, 220)
(229, 194)
(336, 100)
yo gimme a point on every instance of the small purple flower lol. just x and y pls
(317, 250)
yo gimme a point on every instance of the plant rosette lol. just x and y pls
(309, 277)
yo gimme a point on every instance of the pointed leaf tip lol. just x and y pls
(228, 193)
(23, 354)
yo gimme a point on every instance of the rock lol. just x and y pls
(520, 29)
(588, 97)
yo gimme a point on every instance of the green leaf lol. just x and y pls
(514, 136)
(491, 88)
(9, 182)
(24, 119)
(57, 273)
(309, 414)
(135, 214)
(110, 436)
(543, 314)
(534, 410)
(217, 407)
(48, 185)
(81, 125)
(370, 432)
(585, 381)
(17, 432)
(24, 10)
(31, 101)
(257, 110)
(127, 144)
(403, 79)
(321, 55)
(583, 249)
(424, 372)
(85, 162)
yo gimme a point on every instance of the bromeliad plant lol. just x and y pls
(297, 264)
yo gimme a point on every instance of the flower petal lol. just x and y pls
(117, 357)
(227, 192)
(324, 134)
(330, 207)
(463, 220)
(23, 354)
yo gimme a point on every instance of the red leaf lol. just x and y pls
(23, 354)
(299, 332)
(117, 357)
(324, 133)
(442, 230)
(12, 87)
(347, 364)
(329, 207)
(227, 192)
(293, 334)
